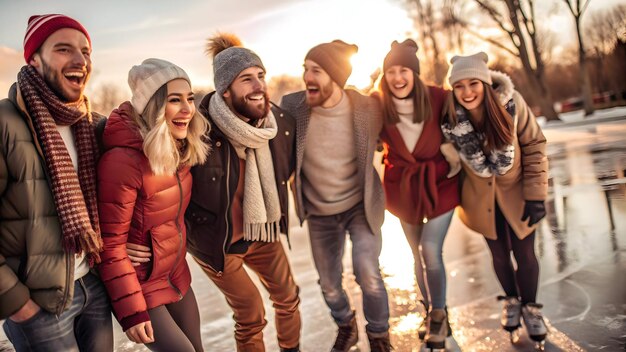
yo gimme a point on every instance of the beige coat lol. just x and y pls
(526, 180)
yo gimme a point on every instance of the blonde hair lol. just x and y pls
(159, 145)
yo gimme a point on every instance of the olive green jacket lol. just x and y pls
(33, 263)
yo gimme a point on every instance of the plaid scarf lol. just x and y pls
(74, 194)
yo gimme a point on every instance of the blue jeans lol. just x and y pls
(328, 237)
(426, 242)
(85, 326)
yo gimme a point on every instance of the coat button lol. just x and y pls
(282, 183)
(281, 114)
(490, 183)
(489, 210)
(218, 144)
(286, 133)
(213, 178)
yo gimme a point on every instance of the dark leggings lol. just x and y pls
(523, 281)
(176, 326)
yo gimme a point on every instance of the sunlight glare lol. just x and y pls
(396, 258)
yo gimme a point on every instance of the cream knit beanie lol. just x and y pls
(473, 66)
(145, 79)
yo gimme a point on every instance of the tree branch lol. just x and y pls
(494, 14)
(466, 26)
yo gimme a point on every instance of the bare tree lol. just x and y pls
(107, 97)
(577, 9)
(516, 19)
(429, 20)
(279, 86)
(603, 31)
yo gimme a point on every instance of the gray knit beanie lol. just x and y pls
(228, 64)
(472, 66)
(145, 79)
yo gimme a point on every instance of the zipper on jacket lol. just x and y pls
(219, 273)
(66, 294)
(180, 235)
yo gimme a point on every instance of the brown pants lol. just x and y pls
(270, 263)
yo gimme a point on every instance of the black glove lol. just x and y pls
(534, 210)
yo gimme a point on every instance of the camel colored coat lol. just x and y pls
(526, 180)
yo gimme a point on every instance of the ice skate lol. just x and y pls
(437, 330)
(511, 315)
(535, 326)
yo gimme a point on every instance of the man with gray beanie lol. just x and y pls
(337, 189)
(239, 205)
(49, 228)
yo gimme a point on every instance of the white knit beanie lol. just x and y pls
(467, 67)
(145, 79)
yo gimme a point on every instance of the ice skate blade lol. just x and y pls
(514, 335)
(540, 345)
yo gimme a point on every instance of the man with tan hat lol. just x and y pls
(49, 227)
(337, 189)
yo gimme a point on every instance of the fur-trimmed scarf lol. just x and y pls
(469, 142)
(74, 194)
(261, 205)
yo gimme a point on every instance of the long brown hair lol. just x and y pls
(422, 111)
(497, 124)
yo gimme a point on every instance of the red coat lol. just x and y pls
(138, 207)
(416, 184)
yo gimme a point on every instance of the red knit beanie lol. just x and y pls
(40, 27)
(334, 58)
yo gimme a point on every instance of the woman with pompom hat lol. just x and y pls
(421, 183)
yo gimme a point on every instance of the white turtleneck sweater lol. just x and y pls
(330, 182)
(409, 130)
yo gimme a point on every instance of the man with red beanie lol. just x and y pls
(337, 189)
(49, 231)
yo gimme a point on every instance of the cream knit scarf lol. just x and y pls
(261, 206)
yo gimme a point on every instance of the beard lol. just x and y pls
(54, 80)
(251, 109)
(324, 93)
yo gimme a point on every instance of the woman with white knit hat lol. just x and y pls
(144, 187)
(503, 155)
(420, 182)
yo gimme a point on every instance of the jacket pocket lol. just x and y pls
(208, 186)
(166, 242)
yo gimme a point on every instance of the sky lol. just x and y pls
(281, 32)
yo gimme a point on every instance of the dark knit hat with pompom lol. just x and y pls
(403, 54)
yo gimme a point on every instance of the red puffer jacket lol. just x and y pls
(138, 207)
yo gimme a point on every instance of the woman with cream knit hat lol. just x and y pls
(503, 155)
(144, 187)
